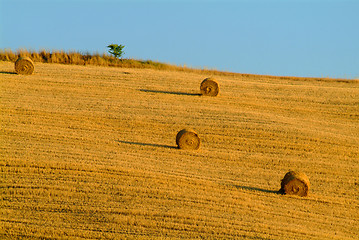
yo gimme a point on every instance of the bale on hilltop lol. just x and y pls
(209, 87)
(295, 183)
(187, 139)
(24, 65)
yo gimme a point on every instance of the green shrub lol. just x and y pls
(116, 50)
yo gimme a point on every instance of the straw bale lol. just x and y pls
(24, 65)
(187, 139)
(295, 183)
(209, 87)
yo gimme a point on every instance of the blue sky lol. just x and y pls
(308, 38)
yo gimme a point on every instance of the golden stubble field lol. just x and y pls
(89, 153)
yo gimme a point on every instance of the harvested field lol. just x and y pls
(89, 152)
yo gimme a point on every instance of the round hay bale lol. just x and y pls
(24, 65)
(187, 139)
(209, 87)
(295, 183)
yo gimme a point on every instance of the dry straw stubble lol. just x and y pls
(188, 139)
(24, 66)
(201, 188)
(295, 183)
(209, 87)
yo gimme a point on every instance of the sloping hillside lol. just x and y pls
(89, 152)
